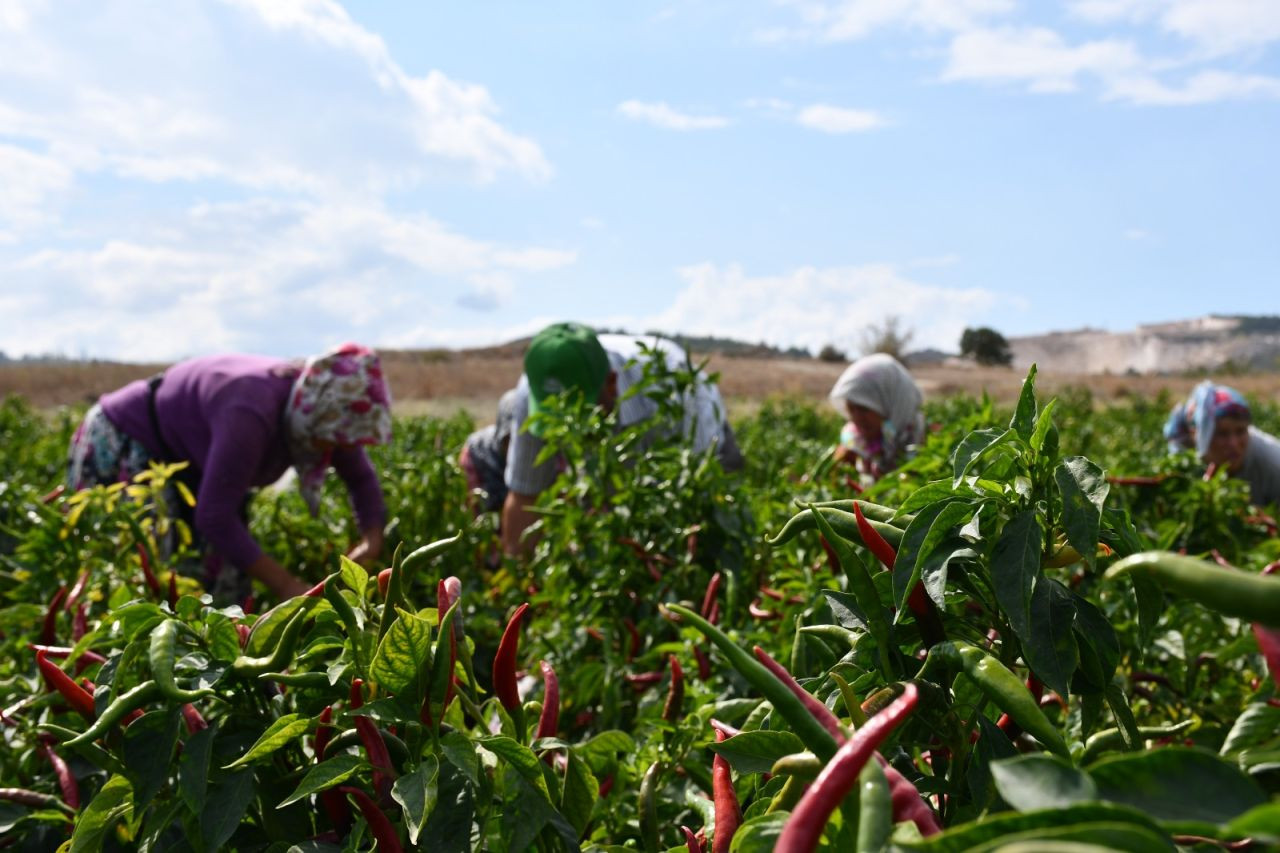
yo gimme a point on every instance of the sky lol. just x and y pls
(279, 176)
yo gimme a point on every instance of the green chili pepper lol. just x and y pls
(247, 667)
(299, 680)
(875, 809)
(267, 630)
(802, 765)
(1240, 594)
(807, 728)
(402, 572)
(163, 656)
(649, 807)
(1108, 739)
(874, 512)
(342, 607)
(844, 523)
(91, 752)
(119, 708)
(999, 684)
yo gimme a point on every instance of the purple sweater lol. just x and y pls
(224, 414)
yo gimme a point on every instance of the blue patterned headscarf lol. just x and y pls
(1191, 423)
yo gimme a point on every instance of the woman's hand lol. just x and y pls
(277, 578)
(368, 548)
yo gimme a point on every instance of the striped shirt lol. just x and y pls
(703, 420)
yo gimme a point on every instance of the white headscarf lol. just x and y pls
(880, 383)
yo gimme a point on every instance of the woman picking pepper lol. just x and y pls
(241, 421)
(882, 404)
(1215, 421)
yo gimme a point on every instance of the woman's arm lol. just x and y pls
(356, 471)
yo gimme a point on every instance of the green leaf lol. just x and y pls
(1258, 724)
(992, 744)
(520, 758)
(916, 553)
(1183, 787)
(581, 790)
(148, 752)
(1041, 781)
(461, 753)
(1262, 822)
(449, 826)
(404, 651)
(113, 802)
(524, 813)
(1098, 837)
(222, 637)
(977, 835)
(1051, 650)
(278, 734)
(325, 775)
(1084, 489)
(755, 752)
(976, 445)
(1044, 423)
(1151, 607)
(927, 495)
(845, 610)
(193, 768)
(416, 794)
(354, 575)
(228, 801)
(1015, 565)
(760, 834)
(1097, 642)
(903, 576)
(266, 632)
(1024, 415)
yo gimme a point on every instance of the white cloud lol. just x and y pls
(1224, 26)
(831, 119)
(1203, 88)
(28, 179)
(847, 20)
(260, 277)
(1037, 56)
(290, 95)
(810, 306)
(1137, 234)
(662, 115)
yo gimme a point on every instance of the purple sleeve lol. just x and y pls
(355, 469)
(238, 443)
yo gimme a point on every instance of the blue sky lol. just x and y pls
(277, 176)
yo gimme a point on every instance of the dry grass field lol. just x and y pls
(441, 382)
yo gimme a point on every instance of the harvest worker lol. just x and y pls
(1216, 422)
(484, 455)
(882, 404)
(568, 358)
(241, 421)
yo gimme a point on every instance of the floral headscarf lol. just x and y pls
(1191, 423)
(340, 398)
(880, 383)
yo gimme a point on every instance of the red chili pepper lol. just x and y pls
(760, 613)
(714, 616)
(66, 779)
(375, 747)
(803, 830)
(594, 633)
(1137, 480)
(80, 699)
(173, 589)
(149, 576)
(704, 663)
(80, 624)
(57, 492)
(244, 631)
(729, 731)
(728, 810)
(634, 648)
(820, 711)
(918, 601)
(335, 805)
(48, 632)
(193, 719)
(316, 591)
(606, 785)
(549, 721)
(76, 591)
(907, 802)
(247, 606)
(87, 658)
(384, 583)
(778, 595)
(674, 705)
(504, 664)
(713, 587)
(691, 840)
(383, 832)
(642, 680)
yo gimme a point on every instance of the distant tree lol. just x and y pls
(830, 353)
(887, 336)
(985, 346)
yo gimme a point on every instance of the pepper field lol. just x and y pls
(1076, 649)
